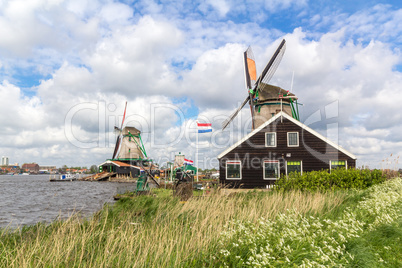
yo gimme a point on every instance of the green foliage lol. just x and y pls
(94, 169)
(379, 248)
(324, 180)
(366, 235)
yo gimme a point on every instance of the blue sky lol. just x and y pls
(276, 17)
(60, 55)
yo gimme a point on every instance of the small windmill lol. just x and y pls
(129, 145)
(265, 100)
(130, 149)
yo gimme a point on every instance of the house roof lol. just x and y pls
(30, 165)
(303, 126)
(119, 164)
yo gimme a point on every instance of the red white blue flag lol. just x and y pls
(204, 127)
(188, 162)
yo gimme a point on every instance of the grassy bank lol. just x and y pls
(163, 232)
(149, 231)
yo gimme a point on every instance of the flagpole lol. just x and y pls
(196, 148)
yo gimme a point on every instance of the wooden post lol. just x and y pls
(196, 149)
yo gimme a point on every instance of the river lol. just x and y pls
(29, 199)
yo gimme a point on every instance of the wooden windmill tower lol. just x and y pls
(129, 146)
(265, 100)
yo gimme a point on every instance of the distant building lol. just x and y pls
(4, 161)
(179, 160)
(32, 168)
(47, 169)
(11, 169)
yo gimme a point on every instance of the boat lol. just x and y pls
(63, 177)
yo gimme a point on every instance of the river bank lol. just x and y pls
(161, 231)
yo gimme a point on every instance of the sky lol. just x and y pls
(67, 67)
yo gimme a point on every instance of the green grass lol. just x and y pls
(363, 231)
(379, 248)
(160, 231)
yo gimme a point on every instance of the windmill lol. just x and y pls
(265, 100)
(130, 149)
(129, 145)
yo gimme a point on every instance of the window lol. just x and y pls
(293, 166)
(233, 170)
(334, 164)
(293, 139)
(271, 169)
(270, 139)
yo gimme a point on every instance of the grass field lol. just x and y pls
(359, 228)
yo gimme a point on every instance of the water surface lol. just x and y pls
(26, 200)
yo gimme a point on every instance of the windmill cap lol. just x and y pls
(132, 130)
(270, 92)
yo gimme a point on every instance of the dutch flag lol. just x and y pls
(204, 127)
(188, 162)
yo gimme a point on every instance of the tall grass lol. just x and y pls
(365, 235)
(151, 231)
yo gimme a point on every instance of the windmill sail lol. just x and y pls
(250, 68)
(124, 116)
(116, 148)
(272, 65)
(119, 138)
(227, 121)
(255, 86)
(250, 72)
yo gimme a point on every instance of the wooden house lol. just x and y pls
(280, 145)
(121, 168)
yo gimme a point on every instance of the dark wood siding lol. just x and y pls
(134, 172)
(314, 153)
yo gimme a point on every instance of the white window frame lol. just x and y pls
(297, 145)
(233, 162)
(330, 163)
(266, 135)
(263, 169)
(301, 166)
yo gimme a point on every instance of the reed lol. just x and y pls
(149, 231)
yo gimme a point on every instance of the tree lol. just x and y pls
(94, 169)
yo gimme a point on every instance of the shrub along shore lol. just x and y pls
(302, 226)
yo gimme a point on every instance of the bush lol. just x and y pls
(337, 179)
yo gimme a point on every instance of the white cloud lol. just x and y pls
(113, 12)
(18, 112)
(220, 5)
(160, 56)
(216, 78)
(134, 59)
